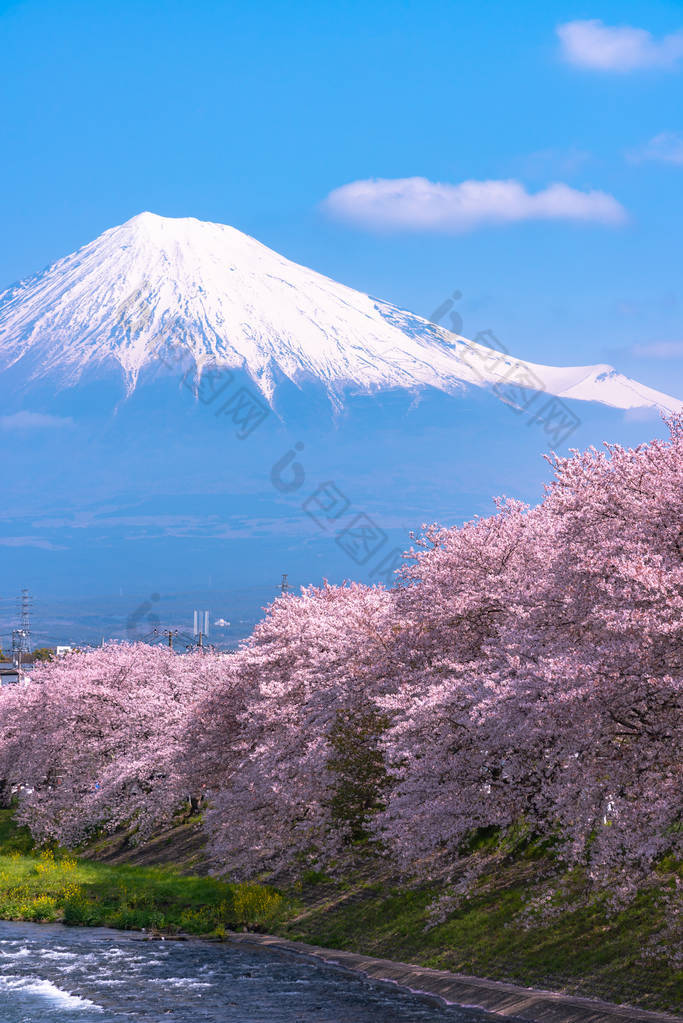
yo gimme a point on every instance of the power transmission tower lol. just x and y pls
(21, 636)
(284, 585)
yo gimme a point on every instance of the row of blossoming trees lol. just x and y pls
(525, 673)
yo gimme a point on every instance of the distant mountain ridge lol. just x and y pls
(230, 301)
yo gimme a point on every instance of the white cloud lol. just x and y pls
(592, 44)
(666, 147)
(660, 350)
(417, 204)
(34, 421)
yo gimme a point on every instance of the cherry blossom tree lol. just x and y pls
(94, 738)
(545, 649)
(313, 666)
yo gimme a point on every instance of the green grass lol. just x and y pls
(52, 885)
(582, 950)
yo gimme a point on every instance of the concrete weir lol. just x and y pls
(496, 997)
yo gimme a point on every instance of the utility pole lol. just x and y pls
(169, 633)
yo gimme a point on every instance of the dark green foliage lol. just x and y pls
(12, 837)
(358, 769)
(43, 653)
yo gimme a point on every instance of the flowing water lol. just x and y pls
(54, 974)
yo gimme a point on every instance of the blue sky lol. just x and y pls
(254, 116)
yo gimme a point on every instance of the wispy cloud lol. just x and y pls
(667, 147)
(592, 44)
(416, 204)
(553, 162)
(660, 350)
(34, 421)
(157, 524)
(31, 541)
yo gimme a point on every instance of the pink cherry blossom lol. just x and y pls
(525, 674)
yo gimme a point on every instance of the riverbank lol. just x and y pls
(579, 951)
(571, 944)
(499, 999)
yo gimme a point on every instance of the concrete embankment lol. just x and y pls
(497, 997)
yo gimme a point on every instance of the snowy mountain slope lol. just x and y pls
(230, 301)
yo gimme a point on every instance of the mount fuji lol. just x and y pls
(230, 301)
(187, 414)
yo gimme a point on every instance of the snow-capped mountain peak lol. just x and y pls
(231, 301)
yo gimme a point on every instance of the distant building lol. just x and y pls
(60, 651)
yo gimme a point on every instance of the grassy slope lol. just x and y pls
(45, 885)
(582, 950)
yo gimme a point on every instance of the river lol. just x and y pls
(54, 974)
